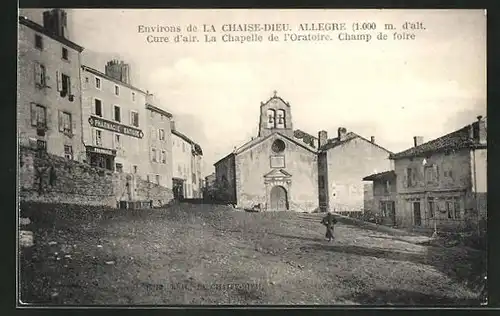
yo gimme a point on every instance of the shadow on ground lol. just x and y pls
(405, 297)
(467, 267)
(297, 237)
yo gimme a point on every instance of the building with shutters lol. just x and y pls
(288, 169)
(48, 91)
(159, 138)
(187, 158)
(114, 120)
(442, 183)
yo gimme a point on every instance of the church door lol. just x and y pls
(279, 199)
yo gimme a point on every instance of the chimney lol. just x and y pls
(482, 132)
(55, 21)
(372, 139)
(342, 131)
(172, 125)
(323, 138)
(417, 140)
(150, 99)
(118, 70)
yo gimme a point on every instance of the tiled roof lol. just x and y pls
(381, 175)
(334, 142)
(453, 141)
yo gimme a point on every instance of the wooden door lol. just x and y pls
(417, 217)
(279, 199)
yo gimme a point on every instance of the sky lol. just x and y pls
(392, 90)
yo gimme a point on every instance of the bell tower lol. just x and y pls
(275, 116)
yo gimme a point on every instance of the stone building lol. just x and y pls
(443, 183)
(187, 160)
(383, 196)
(114, 120)
(48, 90)
(159, 137)
(287, 169)
(343, 161)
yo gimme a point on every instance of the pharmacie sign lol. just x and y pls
(115, 127)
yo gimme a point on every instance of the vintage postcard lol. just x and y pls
(251, 157)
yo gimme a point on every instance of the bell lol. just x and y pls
(270, 119)
(280, 120)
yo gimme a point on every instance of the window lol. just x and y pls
(163, 157)
(98, 137)
(117, 141)
(449, 208)
(63, 84)
(153, 154)
(133, 96)
(38, 116)
(41, 145)
(119, 167)
(65, 122)
(161, 134)
(431, 174)
(278, 146)
(387, 187)
(117, 90)
(87, 80)
(117, 114)
(98, 83)
(134, 168)
(64, 53)
(134, 118)
(40, 75)
(456, 208)
(410, 177)
(431, 207)
(98, 107)
(158, 179)
(38, 41)
(68, 152)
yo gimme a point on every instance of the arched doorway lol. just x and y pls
(279, 199)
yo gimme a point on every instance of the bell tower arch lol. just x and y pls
(275, 116)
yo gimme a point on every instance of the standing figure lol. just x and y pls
(329, 221)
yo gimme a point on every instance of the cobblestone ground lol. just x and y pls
(202, 254)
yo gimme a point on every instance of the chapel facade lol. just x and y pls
(285, 168)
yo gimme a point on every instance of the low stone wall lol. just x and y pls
(53, 179)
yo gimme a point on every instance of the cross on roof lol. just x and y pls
(275, 92)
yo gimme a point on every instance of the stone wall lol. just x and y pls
(54, 179)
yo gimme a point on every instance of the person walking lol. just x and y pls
(329, 221)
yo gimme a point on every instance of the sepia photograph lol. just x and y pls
(251, 157)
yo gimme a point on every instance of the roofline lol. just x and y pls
(274, 97)
(380, 175)
(282, 135)
(223, 158)
(39, 28)
(356, 136)
(97, 72)
(440, 150)
(187, 139)
(158, 110)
